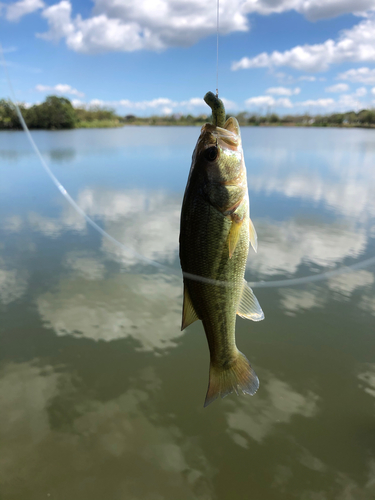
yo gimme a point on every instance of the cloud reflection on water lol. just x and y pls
(293, 301)
(148, 222)
(12, 223)
(284, 246)
(336, 169)
(54, 227)
(59, 436)
(85, 265)
(13, 283)
(368, 304)
(258, 418)
(144, 307)
(355, 198)
(368, 377)
(105, 447)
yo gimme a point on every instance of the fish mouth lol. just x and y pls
(227, 137)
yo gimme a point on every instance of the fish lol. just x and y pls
(215, 234)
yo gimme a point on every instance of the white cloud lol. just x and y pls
(323, 9)
(361, 75)
(58, 17)
(306, 78)
(153, 103)
(346, 102)
(163, 104)
(129, 26)
(361, 92)
(10, 64)
(284, 78)
(339, 87)
(283, 91)
(229, 104)
(267, 100)
(311, 9)
(356, 44)
(78, 103)
(16, 10)
(8, 50)
(349, 102)
(320, 103)
(60, 88)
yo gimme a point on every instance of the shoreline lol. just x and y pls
(247, 125)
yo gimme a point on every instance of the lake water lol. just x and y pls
(101, 394)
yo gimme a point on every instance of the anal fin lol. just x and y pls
(253, 236)
(188, 312)
(249, 307)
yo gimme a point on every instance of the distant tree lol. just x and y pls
(288, 119)
(351, 118)
(243, 117)
(8, 115)
(273, 118)
(94, 113)
(130, 118)
(366, 117)
(54, 113)
(335, 119)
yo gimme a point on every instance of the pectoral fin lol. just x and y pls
(253, 236)
(234, 235)
(188, 313)
(249, 307)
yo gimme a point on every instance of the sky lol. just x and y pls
(149, 57)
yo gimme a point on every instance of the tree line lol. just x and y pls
(57, 113)
(363, 118)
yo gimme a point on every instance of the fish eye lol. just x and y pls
(211, 153)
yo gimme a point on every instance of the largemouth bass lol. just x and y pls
(215, 233)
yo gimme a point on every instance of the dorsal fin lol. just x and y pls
(249, 307)
(188, 312)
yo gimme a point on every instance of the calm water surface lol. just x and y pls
(101, 394)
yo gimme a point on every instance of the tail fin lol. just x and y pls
(239, 376)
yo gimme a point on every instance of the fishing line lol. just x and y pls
(258, 284)
(315, 277)
(217, 48)
(61, 188)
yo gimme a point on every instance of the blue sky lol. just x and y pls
(159, 56)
